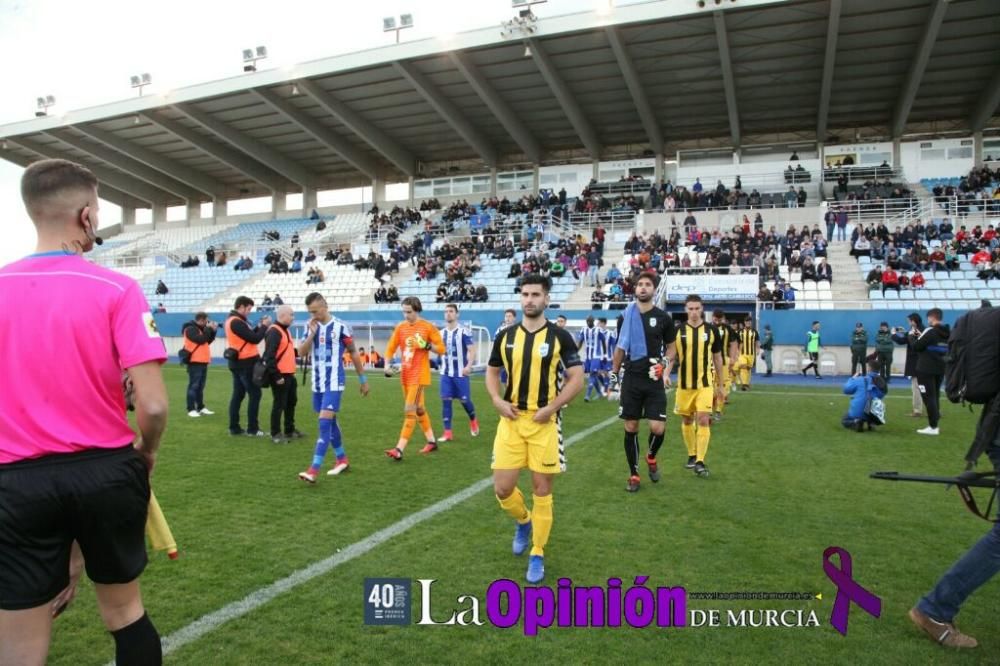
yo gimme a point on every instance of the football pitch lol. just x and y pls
(787, 482)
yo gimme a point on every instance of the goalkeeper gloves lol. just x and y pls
(614, 383)
(656, 368)
(419, 342)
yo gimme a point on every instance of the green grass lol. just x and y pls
(787, 482)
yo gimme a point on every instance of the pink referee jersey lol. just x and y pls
(67, 330)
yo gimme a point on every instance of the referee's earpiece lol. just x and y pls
(89, 221)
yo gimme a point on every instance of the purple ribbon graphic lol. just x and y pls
(848, 590)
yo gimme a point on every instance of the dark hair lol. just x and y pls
(815, 322)
(198, 315)
(562, 316)
(451, 306)
(413, 302)
(648, 275)
(510, 310)
(936, 313)
(692, 298)
(719, 313)
(604, 319)
(242, 301)
(535, 278)
(313, 297)
(47, 178)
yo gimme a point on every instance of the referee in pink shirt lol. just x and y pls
(73, 490)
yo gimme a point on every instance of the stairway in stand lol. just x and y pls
(848, 283)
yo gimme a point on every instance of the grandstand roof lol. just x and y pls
(648, 76)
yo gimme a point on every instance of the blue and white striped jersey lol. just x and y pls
(328, 349)
(456, 351)
(593, 343)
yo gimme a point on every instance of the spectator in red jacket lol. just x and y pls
(918, 280)
(890, 280)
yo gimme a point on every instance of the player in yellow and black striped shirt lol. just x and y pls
(535, 352)
(699, 362)
(749, 348)
(730, 357)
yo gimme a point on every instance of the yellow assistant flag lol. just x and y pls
(158, 531)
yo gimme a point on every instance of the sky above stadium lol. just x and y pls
(83, 53)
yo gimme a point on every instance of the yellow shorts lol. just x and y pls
(688, 402)
(727, 377)
(413, 394)
(523, 443)
(748, 361)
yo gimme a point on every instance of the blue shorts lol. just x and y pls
(593, 365)
(329, 400)
(455, 388)
(606, 364)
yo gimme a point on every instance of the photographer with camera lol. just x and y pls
(242, 354)
(864, 387)
(900, 336)
(198, 336)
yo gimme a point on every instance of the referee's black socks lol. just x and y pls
(138, 644)
(632, 451)
(655, 442)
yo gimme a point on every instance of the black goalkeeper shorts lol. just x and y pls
(642, 398)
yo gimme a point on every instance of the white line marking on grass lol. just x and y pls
(256, 599)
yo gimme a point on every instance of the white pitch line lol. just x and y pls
(810, 394)
(256, 599)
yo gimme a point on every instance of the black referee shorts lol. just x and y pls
(642, 398)
(98, 497)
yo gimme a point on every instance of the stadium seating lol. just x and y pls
(343, 286)
(190, 288)
(493, 275)
(959, 289)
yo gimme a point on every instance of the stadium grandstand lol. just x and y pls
(747, 145)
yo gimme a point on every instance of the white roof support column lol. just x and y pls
(357, 158)
(448, 111)
(205, 184)
(562, 93)
(918, 66)
(988, 104)
(728, 81)
(119, 181)
(376, 138)
(235, 159)
(128, 165)
(264, 154)
(638, 93)
(829, 62)
(498, 105)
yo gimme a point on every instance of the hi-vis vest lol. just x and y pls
(200, 353)
(285, 356)
(245, 349)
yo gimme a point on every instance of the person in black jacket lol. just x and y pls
(901, 337)
(244, 338)
(279, 359)
(198, 334)
(931, 346)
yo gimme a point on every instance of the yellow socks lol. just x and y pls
(515, 507)
(688, 431)
(702, 437)
(541, 523)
